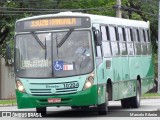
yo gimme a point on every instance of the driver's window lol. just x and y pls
(97, 47)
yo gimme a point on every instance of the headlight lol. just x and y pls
(89, 82)
(20, 86)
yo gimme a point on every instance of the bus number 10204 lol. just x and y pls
(71, 85)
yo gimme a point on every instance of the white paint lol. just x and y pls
(97, 19)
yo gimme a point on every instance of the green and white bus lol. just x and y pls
(81, 60)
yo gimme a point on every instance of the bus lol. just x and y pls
(81, 60)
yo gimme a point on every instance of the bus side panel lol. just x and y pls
(148, 74)
(116, 76)
(101, 80)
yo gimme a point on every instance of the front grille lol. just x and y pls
(47, 92)
(41, 91)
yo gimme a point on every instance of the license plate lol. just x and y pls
(54, 100)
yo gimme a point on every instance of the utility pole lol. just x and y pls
(159, 49)
(0, 78)
(118, 9)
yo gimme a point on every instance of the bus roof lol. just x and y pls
(96, 19)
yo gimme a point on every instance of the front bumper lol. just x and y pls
(82, 98)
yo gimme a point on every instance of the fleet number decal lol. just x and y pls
(71, 85)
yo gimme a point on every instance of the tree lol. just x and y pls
(146, 10)
(12, 10)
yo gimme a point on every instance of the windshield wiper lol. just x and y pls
(65, 38)
(38, 40)
(45, 50)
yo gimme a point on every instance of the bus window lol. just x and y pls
(134, 34)
(106, 49)
(104, 33)
(137, 44)
(113, 37)
(148, 41)
(149, 48)
(144, 44)
(106, 43)
(146, 36)
(122, 44)
(142, 41)
(129, 42)
(141, 36)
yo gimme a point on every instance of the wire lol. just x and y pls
(137, 10)
(69, 1)
(8, 14)
(39, 1)
(55, 11)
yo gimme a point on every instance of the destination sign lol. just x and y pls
(52, 23)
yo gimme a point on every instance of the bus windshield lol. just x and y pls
(65, 53)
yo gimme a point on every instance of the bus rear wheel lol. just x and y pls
(125, 103)
(135, 101)
(43, 111)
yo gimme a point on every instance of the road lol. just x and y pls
(150, 107)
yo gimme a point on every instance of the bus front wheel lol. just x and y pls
(43, 111)
(102, 109)
(75, 107)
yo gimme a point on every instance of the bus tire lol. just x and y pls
(102, 109)
(125, 103)
(135, 101)
(85, 108)
(43, 111)
(75, 107)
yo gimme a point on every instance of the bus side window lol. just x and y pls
(141, 39)
(113, 39)
(136, 40)
(105, 41)
(148, 41)
(104, 33)
(144, 43)
(122, 44)
(129, 42)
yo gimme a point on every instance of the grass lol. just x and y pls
(151, 95)
(8, 102)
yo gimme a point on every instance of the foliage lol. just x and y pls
(8, 22)
(133, 9)
(15, 9)
(146, 10)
